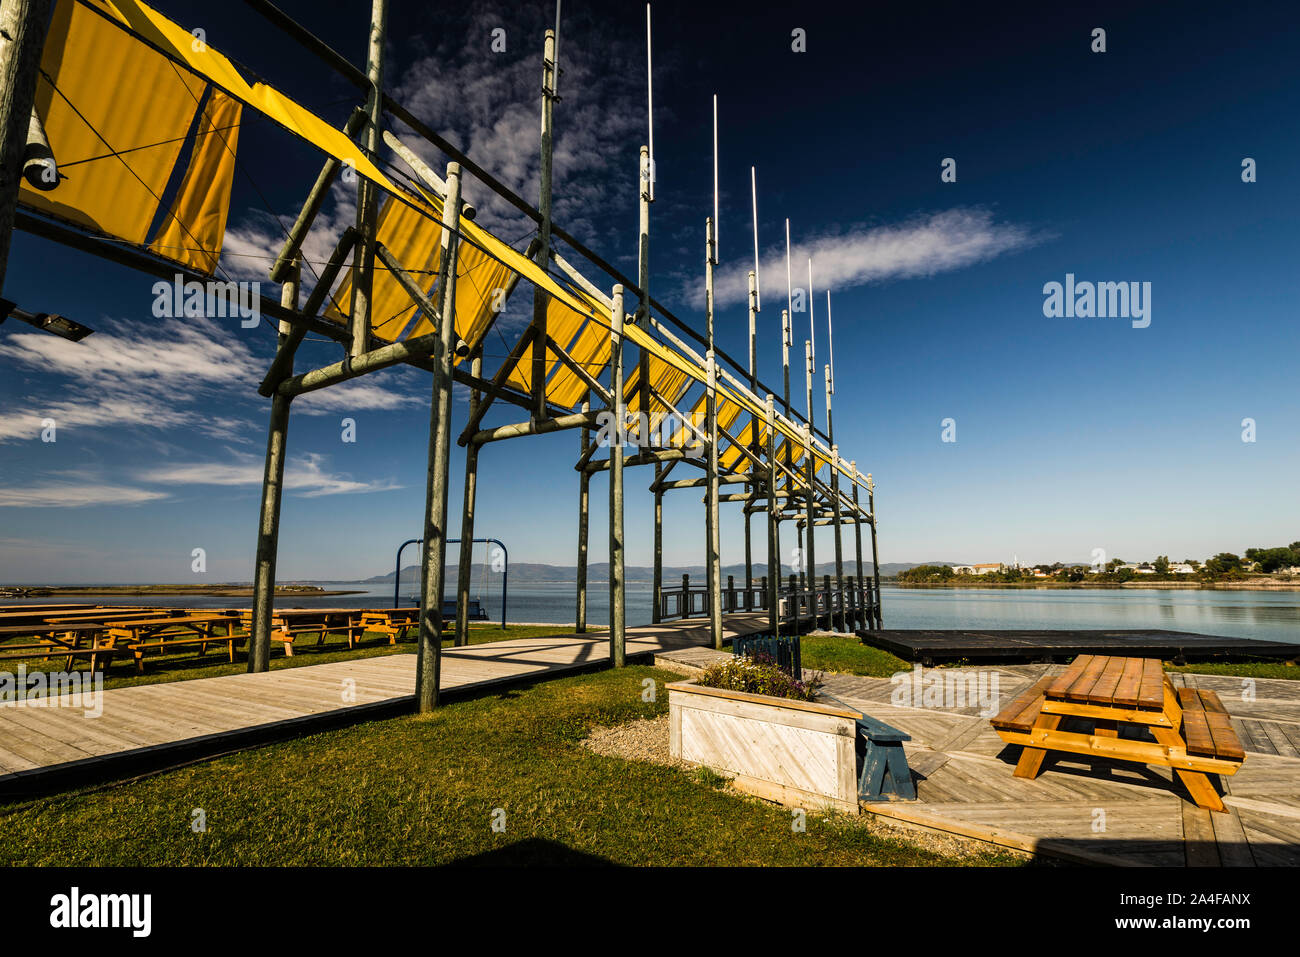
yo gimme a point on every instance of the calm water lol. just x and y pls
(1241, 614)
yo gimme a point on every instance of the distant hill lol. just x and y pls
(521, 572)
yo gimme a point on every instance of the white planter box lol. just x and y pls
(797, 753)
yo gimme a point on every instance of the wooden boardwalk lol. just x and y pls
(1085, 809)
(151, 725)
(930, 646)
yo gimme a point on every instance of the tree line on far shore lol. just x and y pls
(1224, 566)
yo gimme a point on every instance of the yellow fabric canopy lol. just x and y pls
(195, 227)
(178, 42)
(117, 115)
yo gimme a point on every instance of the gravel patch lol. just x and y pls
(645, 739)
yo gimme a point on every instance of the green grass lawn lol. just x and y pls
(424, 789)
(845, 653)
(1251, 669)
(185, 663)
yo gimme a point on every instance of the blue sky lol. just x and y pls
(1072, 434)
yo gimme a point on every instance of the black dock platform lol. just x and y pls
(930, 646)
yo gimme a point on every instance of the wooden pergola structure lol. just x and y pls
(416, 281)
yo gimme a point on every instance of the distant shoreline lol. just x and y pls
(1129, 585)
(218, 591)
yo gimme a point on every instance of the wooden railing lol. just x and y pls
(845, 605)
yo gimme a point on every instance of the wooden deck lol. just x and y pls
(153, 725)
(932, 646)
(1085, 809)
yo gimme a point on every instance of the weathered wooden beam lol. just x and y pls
(282, 364)
(575, 420)
(268, 531)
(469, 503)
(22, 36)
(428, 668)
(423, 171)
(311, 206)
(617, 592)
(584, 504)
(363, 263)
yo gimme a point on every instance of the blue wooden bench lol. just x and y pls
(883, 774)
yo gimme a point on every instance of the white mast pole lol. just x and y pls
(650, 104)
(753, 189)
(715, 177)
(830, 335)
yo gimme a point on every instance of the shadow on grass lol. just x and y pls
(534, 852)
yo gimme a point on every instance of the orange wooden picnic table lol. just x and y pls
(1082, 710)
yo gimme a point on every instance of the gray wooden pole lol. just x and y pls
(540, 297)
(429, 657)
(467, 516)
(617, 609)
(810, 541)
(268, 531)
(749, 555)
(713, 544)
(584, 505)
(773, 540)
(863, 607)
(22, 36)
(642, 315)
(875, 555)
(656, 614)
(363, 263)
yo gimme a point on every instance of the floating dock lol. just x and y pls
(929, 646)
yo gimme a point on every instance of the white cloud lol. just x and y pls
(923, 246)
(304, 474)
(74, 495)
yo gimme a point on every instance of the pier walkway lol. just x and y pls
(154, 725)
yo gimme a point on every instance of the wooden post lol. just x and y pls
(875, 556)
(268, 532)
(773, 542)
(687, 605)
(363, 264)
(467, 515)
(749, 556)
(798, 526)
(429, 656)
(810, 555)
(643, 272)
(656, 614)
(712, 555)
(540, 298)
(22, 36)
(617, 610)
(713, 543)
(839, 543)
(584, 503)
(864, 607)
(731, 593)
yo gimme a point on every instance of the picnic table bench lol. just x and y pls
(1191, 730)
(393, 622)
(152, 634)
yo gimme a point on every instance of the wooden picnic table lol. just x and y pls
(147, 634)
(1190, 728)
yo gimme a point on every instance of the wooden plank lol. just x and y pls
(1020, 714)
(1059, 687)
(1151, 692)
(1196, 732)
(1130, 683)
(1103, 692)
(1198, 837)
